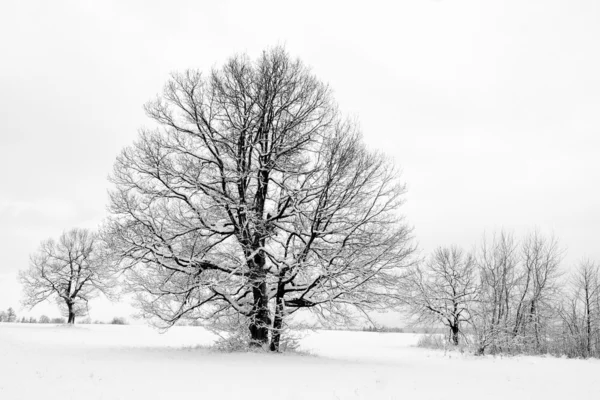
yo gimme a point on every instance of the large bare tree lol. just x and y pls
(253, 199)
(71, 271)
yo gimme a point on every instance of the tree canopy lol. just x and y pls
(253, 198)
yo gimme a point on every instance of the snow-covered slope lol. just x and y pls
(136, 362)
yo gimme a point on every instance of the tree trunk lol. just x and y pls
(588, 344)
(71, 319)
(259, 330)
(454, 334)
(536, 329)
(278, 318)
(259, 324)
(259, 318)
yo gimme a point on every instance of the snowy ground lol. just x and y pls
(136, 362)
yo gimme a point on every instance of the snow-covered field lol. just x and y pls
(136, 362)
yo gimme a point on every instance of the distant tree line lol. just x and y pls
(508, 296)
(10, 316)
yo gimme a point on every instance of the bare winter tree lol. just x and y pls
(537, 289)
(11, 316)
(70, 271)
(497, 262)
(518, 291)
(254, 199)
(443, 290)
(580, 311)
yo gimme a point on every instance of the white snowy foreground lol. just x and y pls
(136, 362)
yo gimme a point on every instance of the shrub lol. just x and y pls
(59, 320)
(432, 342)
(233, 342)
(439, 341)
(118, 321)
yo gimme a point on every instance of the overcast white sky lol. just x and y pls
(492, 108)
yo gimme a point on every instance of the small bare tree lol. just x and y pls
(11, 316)
(254, 199)
(70, 271)
(443, 290)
